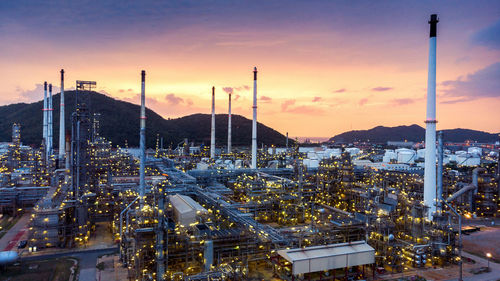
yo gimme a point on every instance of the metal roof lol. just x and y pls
(321, 258)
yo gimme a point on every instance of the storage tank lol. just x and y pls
(8, 257)
(406, 156)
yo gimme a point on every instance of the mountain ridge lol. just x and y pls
(414, 133)
(119, 123)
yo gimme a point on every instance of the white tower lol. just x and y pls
(212, 135)
(254, 122)
(430, 122)
(229, 126)
(62, 129)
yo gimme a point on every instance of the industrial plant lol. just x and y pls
(337, 211)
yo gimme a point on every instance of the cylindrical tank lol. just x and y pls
(7, 257)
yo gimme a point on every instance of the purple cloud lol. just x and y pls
(316, 99)
(381, 89)
(339, 90)
(228, 90)
(483, 83)
(173, 99)
(265, 99)
(488, 37)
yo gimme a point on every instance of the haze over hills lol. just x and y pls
(415, 133)
(119, 121)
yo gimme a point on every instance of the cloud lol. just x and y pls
(265, 99)
(363, 101)
(304, 109)
(483, 83)
(123, 90)
(381, 89)
(173, 99)
(488, 37)
(242, 88)
(286, 104)
(402, 101)
(228, 90)
(236, 97)
(340, 90)
(136, 99)
(316, 99)
(35, 94)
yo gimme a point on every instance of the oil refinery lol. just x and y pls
(335, 211)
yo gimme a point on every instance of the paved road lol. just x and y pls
(87, 260)
(20, 226)
(490, 276)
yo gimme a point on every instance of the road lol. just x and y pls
(490, 276)
(14, 233)
(87, 260)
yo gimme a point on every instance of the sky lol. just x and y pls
(324, 67)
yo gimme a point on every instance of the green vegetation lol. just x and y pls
(119, 122)
(412, 133)
(46, 270)
(6, 223)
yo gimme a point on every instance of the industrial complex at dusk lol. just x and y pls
(96, 187)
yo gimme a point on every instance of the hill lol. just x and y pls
(119, 121)
(415, 133)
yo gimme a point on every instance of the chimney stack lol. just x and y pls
(45, 117)
(62, 128)
(229, 126)
(254, 121)
(142, 184)
(50, 119)
(430, 130)
(212, 135)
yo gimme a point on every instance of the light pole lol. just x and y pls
(488, 255)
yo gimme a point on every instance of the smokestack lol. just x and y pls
(229, 126)
(212, 136)
(287, 141)
(430, 130)
(50, 119)
(142, 140)
(440, 172)
(254, 122)
(45, 121)
(62, 128)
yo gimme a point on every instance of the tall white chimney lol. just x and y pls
(229, 126)
(62, 129)
(430, 122)
(254, 121)
(50, 119)
(212, 135)
(45, 117)
(142, 168)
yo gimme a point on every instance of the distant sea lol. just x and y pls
(312, 139)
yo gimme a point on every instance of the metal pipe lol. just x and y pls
(460, 192)
(430, 131)
(459, 237)
(229, 126)
(440, 172)
(254, 121)
(212, 130)
(142, 139)
(62, 129)
(121, 223)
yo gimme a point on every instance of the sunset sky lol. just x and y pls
(324, 66)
